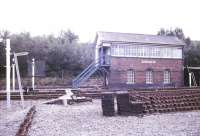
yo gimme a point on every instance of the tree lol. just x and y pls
(4, 34)
(178, 32)
(61, 53)
(191, 50)
(67, 37)
(192, 56)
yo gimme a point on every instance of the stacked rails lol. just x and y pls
(168, 101)
(107, 103)
(136, 107)
(143, 98)
(123, 103)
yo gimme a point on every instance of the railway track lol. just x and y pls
(33, 95)
(48, 94)
(55, 93)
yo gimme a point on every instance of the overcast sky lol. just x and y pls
(85, 17)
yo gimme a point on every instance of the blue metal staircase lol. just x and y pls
(91, 69)
(85, 74)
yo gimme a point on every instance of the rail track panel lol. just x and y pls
(33, 95)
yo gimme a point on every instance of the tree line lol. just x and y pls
(191, 51)
(62, 53)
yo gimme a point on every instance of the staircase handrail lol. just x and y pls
(82, 75)
(95, 62)
(87, 75)
(87, 70)
(88, 67)
(193, 78)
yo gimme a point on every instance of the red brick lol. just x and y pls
(120, 65)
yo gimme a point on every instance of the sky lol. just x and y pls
(86, 17)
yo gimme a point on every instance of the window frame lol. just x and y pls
(144, 51)
(166, 77)
(130, 76)
(149, 77)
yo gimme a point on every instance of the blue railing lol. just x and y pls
(85, 74)
(93, 67)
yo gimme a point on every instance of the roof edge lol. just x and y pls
(99, 32)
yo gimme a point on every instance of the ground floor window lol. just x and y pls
(166, 77)
(149, 77)
(130, 77)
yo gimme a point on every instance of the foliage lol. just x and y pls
(62, 53)
(192, 56)
(191, 50)
(178, 32)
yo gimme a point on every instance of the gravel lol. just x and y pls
(86, 119)
(10, 119)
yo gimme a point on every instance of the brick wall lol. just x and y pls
(120, 65)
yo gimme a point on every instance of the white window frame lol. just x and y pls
(149, 77)
(166, 77)
(123, 50)
(130, 76)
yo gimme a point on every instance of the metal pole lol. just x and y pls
(19, 80)
(190, 79)
(33, 74)
(8, 72)
(101, 56)
(13, 75)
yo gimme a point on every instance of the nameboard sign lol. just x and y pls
(106, 44)
(148, 61)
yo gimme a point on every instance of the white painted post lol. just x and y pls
(19, 80)
(190, 79)
(8, 72)
(33, 74)
(13, 75)
(102, 56)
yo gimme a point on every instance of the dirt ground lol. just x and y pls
(10, 119)
(86, 120)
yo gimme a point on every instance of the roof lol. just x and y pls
(137, 38)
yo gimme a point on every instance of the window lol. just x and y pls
(149, 77)
(166, 77)
(130, 77)
(121, 50)
(128, 50)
